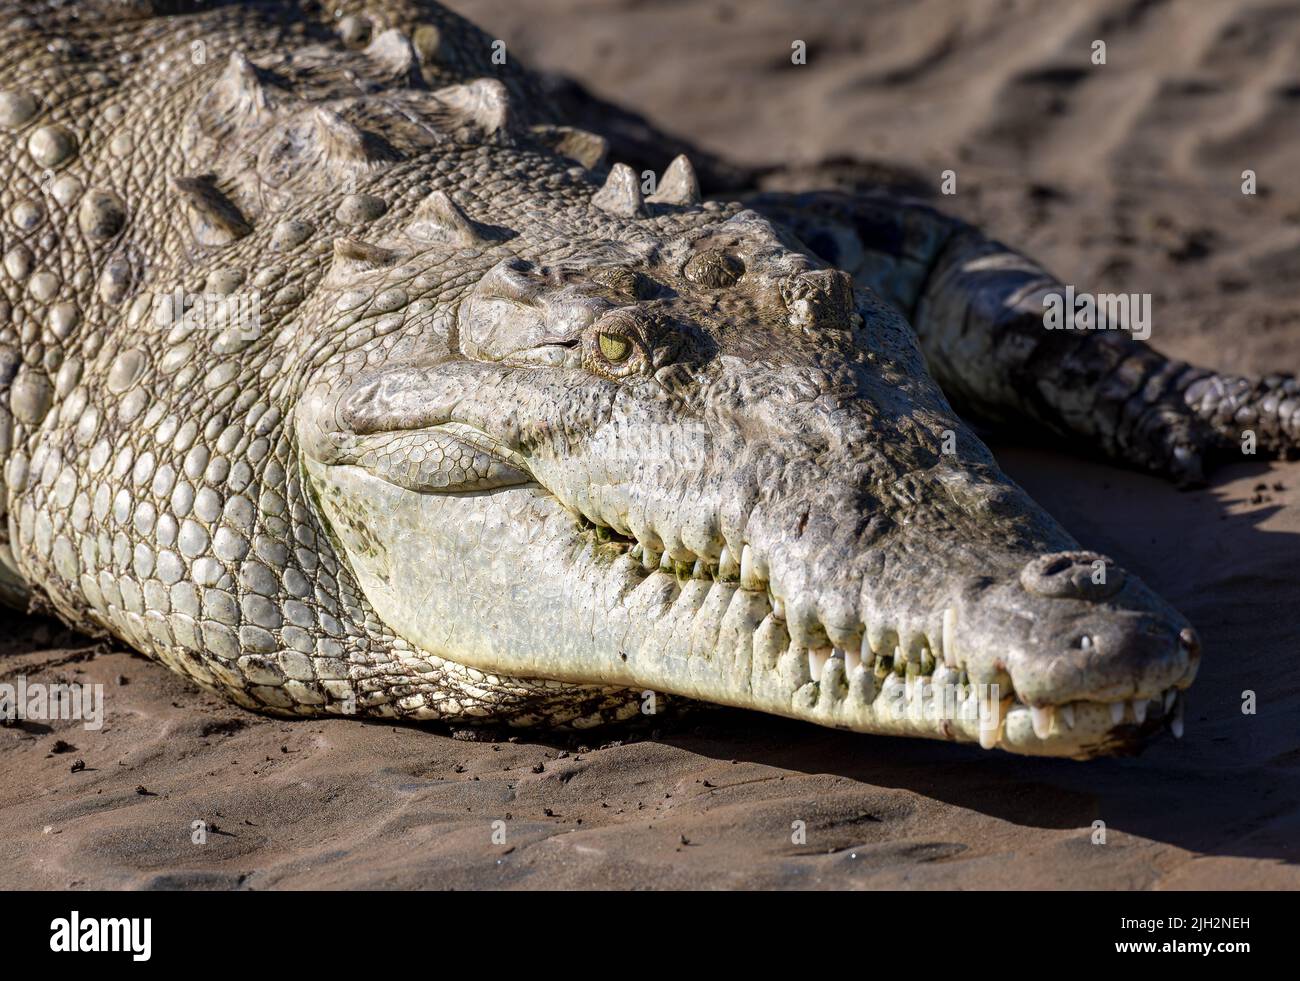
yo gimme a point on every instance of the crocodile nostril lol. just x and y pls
(1072, 575)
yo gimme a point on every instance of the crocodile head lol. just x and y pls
(699, 462)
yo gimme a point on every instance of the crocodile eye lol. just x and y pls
(614, 348)
(713, 267)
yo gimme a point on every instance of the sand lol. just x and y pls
(1122, 177)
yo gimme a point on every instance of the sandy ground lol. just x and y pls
(1124, 177)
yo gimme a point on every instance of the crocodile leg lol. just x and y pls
(978, 309)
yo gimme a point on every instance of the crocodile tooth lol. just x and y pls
(988, 735)
(727, 568)
(891, 687)
(1176, 723)
(778, 607)
(1117, 712)
(866, 655)
(910, 689)
(1170, 697)
(1041, 717)
(650, 558)
(817, 658)
(748, 578)
(950, 637)
(851, 658)
(875, 636)
(699, 570)
(635, 551)
(862, 687)
(943, 678)
(1140, 710)
(1067, 715)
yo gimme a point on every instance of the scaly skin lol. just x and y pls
(509, 442)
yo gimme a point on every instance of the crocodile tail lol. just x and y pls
(1256, 415)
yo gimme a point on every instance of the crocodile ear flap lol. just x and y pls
(679, 184)
(621, 194)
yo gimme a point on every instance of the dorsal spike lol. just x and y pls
(237, 103)
(238, 94)
(318, 142)
(358, 250)
(392, 50)
(679, 184)
(586, 148)
(340, 140)
(353, 256)
(241, 76)
(439, 219)
(621, 194)
(214, 218)
(483, 103)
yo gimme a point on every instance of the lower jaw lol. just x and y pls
(507, 582)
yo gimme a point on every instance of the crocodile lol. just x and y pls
(343, 374)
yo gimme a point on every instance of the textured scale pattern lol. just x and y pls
(155, 491)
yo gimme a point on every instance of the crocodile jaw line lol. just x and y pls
(510, 582)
